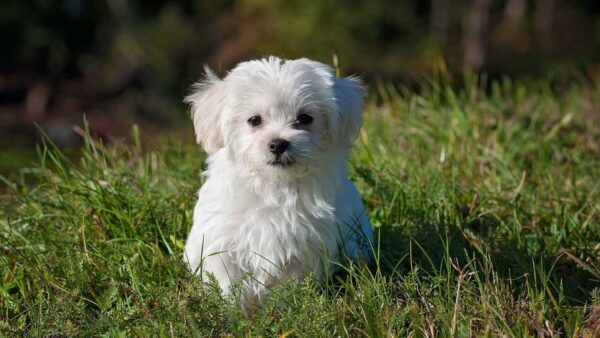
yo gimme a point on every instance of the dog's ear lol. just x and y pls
(345, 120)
(207, 102)
(349, 93)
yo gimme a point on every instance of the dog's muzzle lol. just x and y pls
(279, 149)
(279, 146)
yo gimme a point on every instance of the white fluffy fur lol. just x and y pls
(264, 223)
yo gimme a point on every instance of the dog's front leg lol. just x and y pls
(222, 267)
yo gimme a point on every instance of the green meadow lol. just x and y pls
(485, 198)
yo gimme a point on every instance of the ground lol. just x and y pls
(485, 198)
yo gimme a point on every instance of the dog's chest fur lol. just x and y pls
(271, 230)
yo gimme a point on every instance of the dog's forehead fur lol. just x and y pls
(281, 86)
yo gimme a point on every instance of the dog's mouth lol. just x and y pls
(281, 161)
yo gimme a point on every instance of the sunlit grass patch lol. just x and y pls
(486, 206)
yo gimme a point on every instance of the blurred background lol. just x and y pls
(121, 62)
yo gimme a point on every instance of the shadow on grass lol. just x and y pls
(433, 247)
(454, 237)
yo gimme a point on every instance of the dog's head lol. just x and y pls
(277, 115)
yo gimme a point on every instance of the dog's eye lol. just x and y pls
(304, 118)
(255, 120)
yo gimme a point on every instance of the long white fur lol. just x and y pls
(262, 223)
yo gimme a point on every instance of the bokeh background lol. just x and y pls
(125, 62)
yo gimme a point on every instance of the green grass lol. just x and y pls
(487, 209)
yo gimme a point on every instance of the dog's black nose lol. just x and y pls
(278, 146)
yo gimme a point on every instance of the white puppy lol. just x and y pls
(277, 202)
